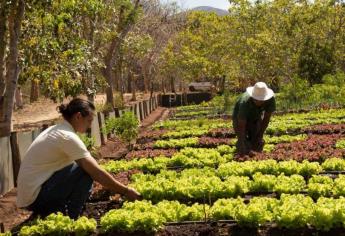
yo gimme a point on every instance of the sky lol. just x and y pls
(187, 4)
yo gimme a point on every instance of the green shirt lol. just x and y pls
(246, 109)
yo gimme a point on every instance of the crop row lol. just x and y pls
(190, 157)
(208, 141)
(186, 114)
(290, 211)
(199, 184)
(58, 224)
(225, 132)
(314, 148)
(278, 124)
(296, 122)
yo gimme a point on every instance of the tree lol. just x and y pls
(14, 19)
(127, 17)
(315, 61)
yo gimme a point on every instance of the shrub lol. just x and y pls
(89, 143)
(125, 127)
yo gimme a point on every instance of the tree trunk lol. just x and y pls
(35, 90)
(222, 84)
(16, 156)
(108, 73)
(118, 71)
(113, 52)
(19, 98)
(163, 85)
(151, 90)
(12, 68)
(172, 84)
(146, 83)
(3, 43)
(134, 96)
(129, 82)
(91, 92)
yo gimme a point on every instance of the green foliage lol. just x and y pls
(90, 143)
(315, 61)
(299, 94)
(84, 226)
(320, 186)
(295, 122)
(293, 92)
(260, 41)
(118, 101)
(227, 104)
(58, 224)
(176, 143)
(143, 216)
(290, 211)
(103, 107)
(257, 213)
(293, 211)
(334, 164)
(6, 234)
(340, 144)
(188, 157)
(125, 127)
(206, 183)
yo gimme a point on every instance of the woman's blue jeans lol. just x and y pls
(65, 191)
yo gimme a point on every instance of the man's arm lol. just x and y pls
(90, 166)
(263, 126)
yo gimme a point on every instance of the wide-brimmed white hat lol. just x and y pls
(260, 91)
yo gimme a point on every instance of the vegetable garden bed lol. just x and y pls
(198, 186)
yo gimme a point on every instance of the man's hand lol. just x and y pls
(132, 194)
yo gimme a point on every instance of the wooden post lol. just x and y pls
(2, 228)
(117, 112)
(158, 100)
(103, 137)
(141, 111)
(145, 109)
(150, 105)
(106, 116)
(135, 109)
(154, 103)
(16, 160)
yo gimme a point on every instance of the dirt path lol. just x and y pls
(45, 110)
(11, 216)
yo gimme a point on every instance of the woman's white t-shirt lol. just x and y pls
(55, 148)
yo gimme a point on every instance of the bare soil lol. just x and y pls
(44, 110)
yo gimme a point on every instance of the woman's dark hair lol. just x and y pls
(75, 106)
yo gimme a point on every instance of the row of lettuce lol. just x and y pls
(290, 211)
(200, 184)
(290, 121)
(194, 141)
(221, 158)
